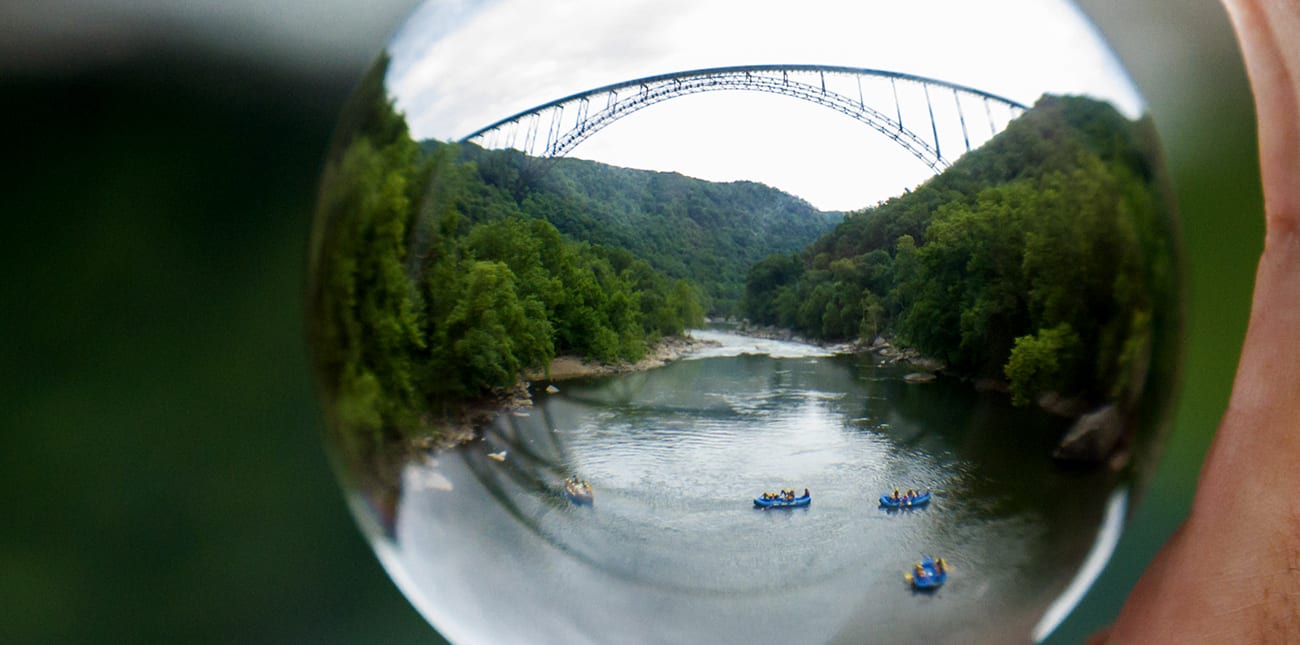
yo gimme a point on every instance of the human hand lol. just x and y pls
(1231, 573)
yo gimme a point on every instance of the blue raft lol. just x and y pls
(887, 501)
(928, 574)
(578, 491)
(781, 502)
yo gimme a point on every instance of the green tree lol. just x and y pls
(873, 316)
(764, 280)
(492, 334)
(1041, 362)
(684, 303)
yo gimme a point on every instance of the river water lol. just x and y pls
(672, 550)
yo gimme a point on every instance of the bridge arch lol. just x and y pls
(555, 128)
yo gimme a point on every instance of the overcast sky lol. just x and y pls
(461, 64)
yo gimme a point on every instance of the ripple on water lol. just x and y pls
(676, 456)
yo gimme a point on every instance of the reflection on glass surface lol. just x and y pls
(587, 282)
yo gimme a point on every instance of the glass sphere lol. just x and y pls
(706, 321)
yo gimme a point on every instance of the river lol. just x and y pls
(673, 551)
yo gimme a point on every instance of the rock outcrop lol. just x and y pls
(1094, 436)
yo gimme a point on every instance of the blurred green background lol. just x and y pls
(161, 471)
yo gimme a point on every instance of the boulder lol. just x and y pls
(1093, 437)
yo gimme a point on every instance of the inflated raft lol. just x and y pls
(578, 492)
(782, 502)
(928, 574)
(905, 501)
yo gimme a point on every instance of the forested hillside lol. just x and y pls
(706, 232)
(1044, 258)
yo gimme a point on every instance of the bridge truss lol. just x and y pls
(930, 106)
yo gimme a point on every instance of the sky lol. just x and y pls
(458, 65)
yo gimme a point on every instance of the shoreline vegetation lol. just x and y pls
(667, 350)
(1041, 265)
(442, 273)
(1097, 433)
(1043, 259)
(466, 425)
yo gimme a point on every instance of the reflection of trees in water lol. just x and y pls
(626, 390)
(528, 486)
(535, 461)
(1000, 455)
(534, 465)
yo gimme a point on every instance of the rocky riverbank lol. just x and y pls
(664, 352)
(891, 355)
(463, 425)
(927, 368)
(745, 328)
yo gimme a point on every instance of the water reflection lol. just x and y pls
(676, 454)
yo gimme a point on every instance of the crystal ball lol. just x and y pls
(705, 321)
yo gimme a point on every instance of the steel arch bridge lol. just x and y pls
(554, 129)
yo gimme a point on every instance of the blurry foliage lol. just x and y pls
(160, 454)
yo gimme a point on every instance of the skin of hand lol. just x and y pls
(1231, 573)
